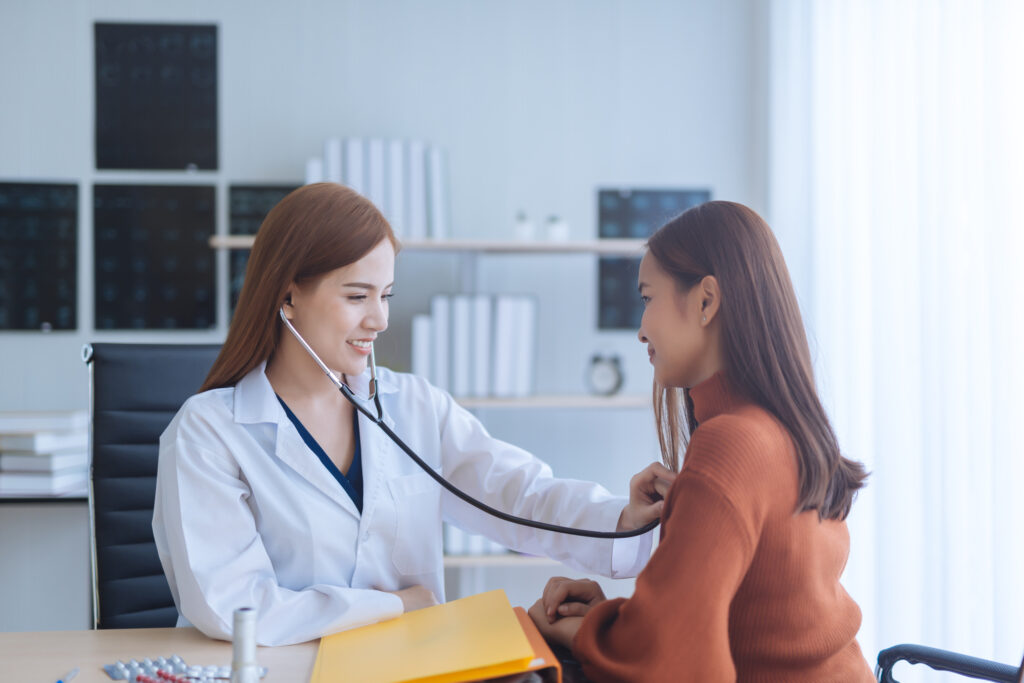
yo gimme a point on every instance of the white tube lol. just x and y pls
(243, 660)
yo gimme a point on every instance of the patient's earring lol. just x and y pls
(704, 319)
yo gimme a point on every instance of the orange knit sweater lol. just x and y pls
(740, 587)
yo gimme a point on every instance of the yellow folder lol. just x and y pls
(463, 640)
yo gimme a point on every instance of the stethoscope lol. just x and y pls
(378, 420)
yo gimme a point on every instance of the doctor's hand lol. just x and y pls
(560, 632)
(415, 597)
(647, 491)
(569, 598)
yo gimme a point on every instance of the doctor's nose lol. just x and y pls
(640, 335)
(377, 319)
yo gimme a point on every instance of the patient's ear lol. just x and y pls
(710, 299)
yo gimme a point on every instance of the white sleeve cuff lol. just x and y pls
(630, 555)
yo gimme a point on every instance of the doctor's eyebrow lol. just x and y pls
(640, 287)
(366, 285)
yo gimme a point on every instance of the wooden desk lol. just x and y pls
(45, 656)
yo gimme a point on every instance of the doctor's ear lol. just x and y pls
(287, 305)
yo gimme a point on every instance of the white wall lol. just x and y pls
(537, 103)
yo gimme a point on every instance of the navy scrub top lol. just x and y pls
(353, 483)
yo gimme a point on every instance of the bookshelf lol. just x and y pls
(509, 559)
(604, 247)
(558, 401)
(474, 565)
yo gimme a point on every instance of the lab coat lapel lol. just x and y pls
(375, 447)
(296, 454)
(255, 402)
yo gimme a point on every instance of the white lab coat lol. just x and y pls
(246, 515)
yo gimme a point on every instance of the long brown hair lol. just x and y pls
(312, 231)
(766, 353)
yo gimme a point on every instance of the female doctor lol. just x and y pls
(273, 492)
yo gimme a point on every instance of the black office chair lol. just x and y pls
(135, 391)
(944, 660)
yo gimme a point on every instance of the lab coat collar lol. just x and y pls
(256, 402)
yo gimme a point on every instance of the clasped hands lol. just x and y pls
(560, 610)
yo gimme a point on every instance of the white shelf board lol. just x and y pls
(498, 560)
(558, 401)
(619, 247)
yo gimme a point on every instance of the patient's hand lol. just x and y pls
(647, 491)
(560, 632)
(569, 598)
(416, 597)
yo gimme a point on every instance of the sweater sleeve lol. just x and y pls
(677, 620)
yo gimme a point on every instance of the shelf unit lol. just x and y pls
(558, 401)
(474, 564)
(603, 247)
(497, 560)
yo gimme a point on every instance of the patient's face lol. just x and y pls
(671, 327)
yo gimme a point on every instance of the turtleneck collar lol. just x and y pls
(714, 396)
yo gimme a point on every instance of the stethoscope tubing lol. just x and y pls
(456, 491)
(378, 420)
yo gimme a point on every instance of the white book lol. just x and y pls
(45, 462)
(28, 483)
(440, 324)
(525, 345)
(476, 544)
(395, 190)
(437, 188)
(354, 171)
(375, 172)
(314, 170)
(416, 228)
(45, 442)
(422, 336)
(19, 422)
(482, 348)
(462, 362)
(331, 168)
(505, 335)
(455, 540)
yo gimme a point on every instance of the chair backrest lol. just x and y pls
(135, 391)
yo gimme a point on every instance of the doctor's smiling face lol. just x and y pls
(341, 313)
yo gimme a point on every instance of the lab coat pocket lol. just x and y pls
(418, 519)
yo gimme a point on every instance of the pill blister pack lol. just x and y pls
(171, 669)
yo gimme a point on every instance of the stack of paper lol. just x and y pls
(44, 453)
(472, 639)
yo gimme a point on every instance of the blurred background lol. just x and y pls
(882, 141)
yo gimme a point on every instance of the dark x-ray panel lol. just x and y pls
(154, 268)
(38, 256)
(632, 214)
(249, 205)
(156, 96)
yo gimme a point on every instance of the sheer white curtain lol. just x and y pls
(897, 173)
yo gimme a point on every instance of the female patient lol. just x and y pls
(273, 493)
(745, 581)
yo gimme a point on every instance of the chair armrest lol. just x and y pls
(943, 660)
